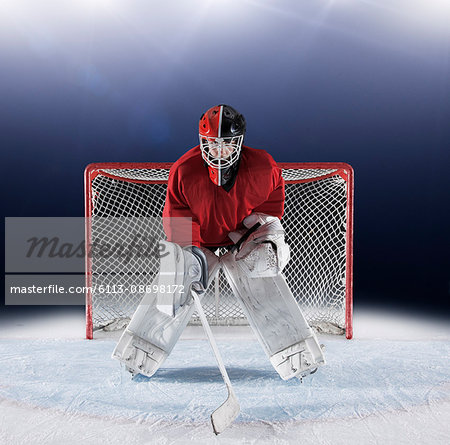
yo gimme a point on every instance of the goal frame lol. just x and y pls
(342, 169)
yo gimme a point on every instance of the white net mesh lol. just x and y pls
(315, 221)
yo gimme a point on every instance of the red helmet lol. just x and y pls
(221, 132)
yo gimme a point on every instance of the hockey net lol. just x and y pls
(318, 221)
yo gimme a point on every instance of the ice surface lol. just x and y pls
(385, 386)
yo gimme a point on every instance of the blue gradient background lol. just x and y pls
(363, 82)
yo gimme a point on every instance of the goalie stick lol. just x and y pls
(223, 416)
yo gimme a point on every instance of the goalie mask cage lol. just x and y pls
(318, 221)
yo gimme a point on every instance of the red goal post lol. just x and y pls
(319, 229)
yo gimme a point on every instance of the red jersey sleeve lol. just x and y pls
(274, 205)
(180, 224)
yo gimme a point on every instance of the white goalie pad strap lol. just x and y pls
(179, 269)
(298, 360)
(270, 232)
(139, 355)
(170, 284)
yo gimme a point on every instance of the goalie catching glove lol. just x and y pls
(264, 253)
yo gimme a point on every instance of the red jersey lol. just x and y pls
(259, 187)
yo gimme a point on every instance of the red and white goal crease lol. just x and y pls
(318, 221)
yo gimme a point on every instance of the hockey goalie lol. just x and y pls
(234, 197)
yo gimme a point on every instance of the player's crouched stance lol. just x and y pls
(253, 269)
(231, 194)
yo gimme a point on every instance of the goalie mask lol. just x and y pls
(221, 131)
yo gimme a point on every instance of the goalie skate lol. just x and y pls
(276, 319)
(152, 334)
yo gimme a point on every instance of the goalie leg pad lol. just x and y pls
(276, 319)
(152, 334)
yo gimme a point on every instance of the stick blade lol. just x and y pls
(223, 416)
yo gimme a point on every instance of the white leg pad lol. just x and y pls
(152, 334)
(276, 319)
